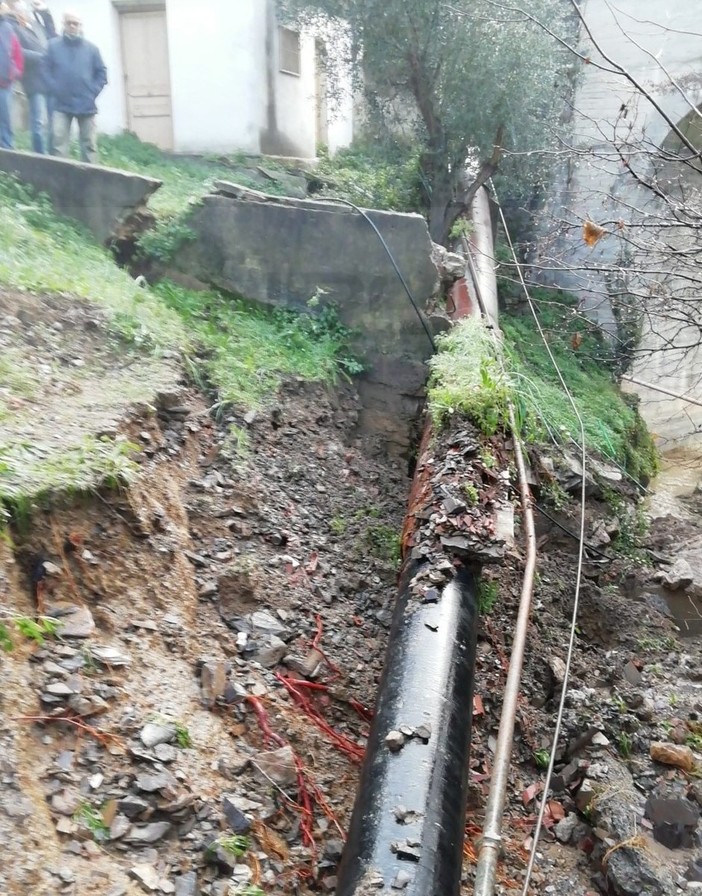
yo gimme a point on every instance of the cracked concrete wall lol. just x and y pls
(98, 198)
(284, 252)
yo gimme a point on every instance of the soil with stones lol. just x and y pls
(197, 721)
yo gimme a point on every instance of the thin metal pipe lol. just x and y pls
(486, 871)
(491, 840)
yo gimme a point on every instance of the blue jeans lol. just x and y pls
(37, 120)
(5, 119)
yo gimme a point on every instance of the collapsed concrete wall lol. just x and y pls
(102, 199)
(284, 252)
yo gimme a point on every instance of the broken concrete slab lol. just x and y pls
(101, 199)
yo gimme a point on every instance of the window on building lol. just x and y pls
(289, 43)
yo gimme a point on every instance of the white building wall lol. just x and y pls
(101, 27)
(661, 38)
(218, 74)
(219, 78)
(295, 100)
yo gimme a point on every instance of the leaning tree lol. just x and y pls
(472, 86)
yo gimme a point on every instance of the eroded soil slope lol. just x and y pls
(196, 725)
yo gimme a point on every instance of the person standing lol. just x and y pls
(11, 68)
(33, 76)
(44, 21)
(45, 28)
(75, 76)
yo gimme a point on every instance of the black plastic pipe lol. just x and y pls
(407, 828)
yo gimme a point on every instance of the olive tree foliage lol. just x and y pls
(471, 85)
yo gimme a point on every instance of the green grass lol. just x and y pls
(244, 351)
(36, 630)
(185, 180)
(91, 818)
(469, 377)
(30, 475)
(42, 253)
(488, 594)
(613, 427)
(236, 844)
(383, 542)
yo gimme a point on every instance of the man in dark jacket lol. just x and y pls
(11, 68)
(75, 75)
(33, 77)
(43, 21)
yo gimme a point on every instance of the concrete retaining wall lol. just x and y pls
(99, 198)
(285, 252)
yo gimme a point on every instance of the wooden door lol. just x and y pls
(147, 76)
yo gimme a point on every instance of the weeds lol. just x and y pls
(542, 758)
(488, 593)
(553, 494)
(244, 351)
(37, 630)
(372, 176)
(183, 738)
(184, 180)
(165, 239)
(338, 525)
(658, 645)
(624, 744)
(383, 542)
(91, 818)
(30, 475)
(467, 378)
(234, 844)
(471, 493)
(237, 443)
(613, 427)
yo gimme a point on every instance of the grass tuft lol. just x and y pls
(245, 351)
(42, 253)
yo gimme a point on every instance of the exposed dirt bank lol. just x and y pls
(224, 621)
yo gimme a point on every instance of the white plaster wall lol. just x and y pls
(101, 27)
(218, 74)
(295, 98)
(598, 189)
(341, 124)
(649, 50)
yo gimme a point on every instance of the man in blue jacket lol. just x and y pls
(75, 75)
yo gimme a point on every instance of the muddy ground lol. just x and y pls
(197, 725)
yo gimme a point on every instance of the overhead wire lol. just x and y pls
(364, 214)
(580, 561)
